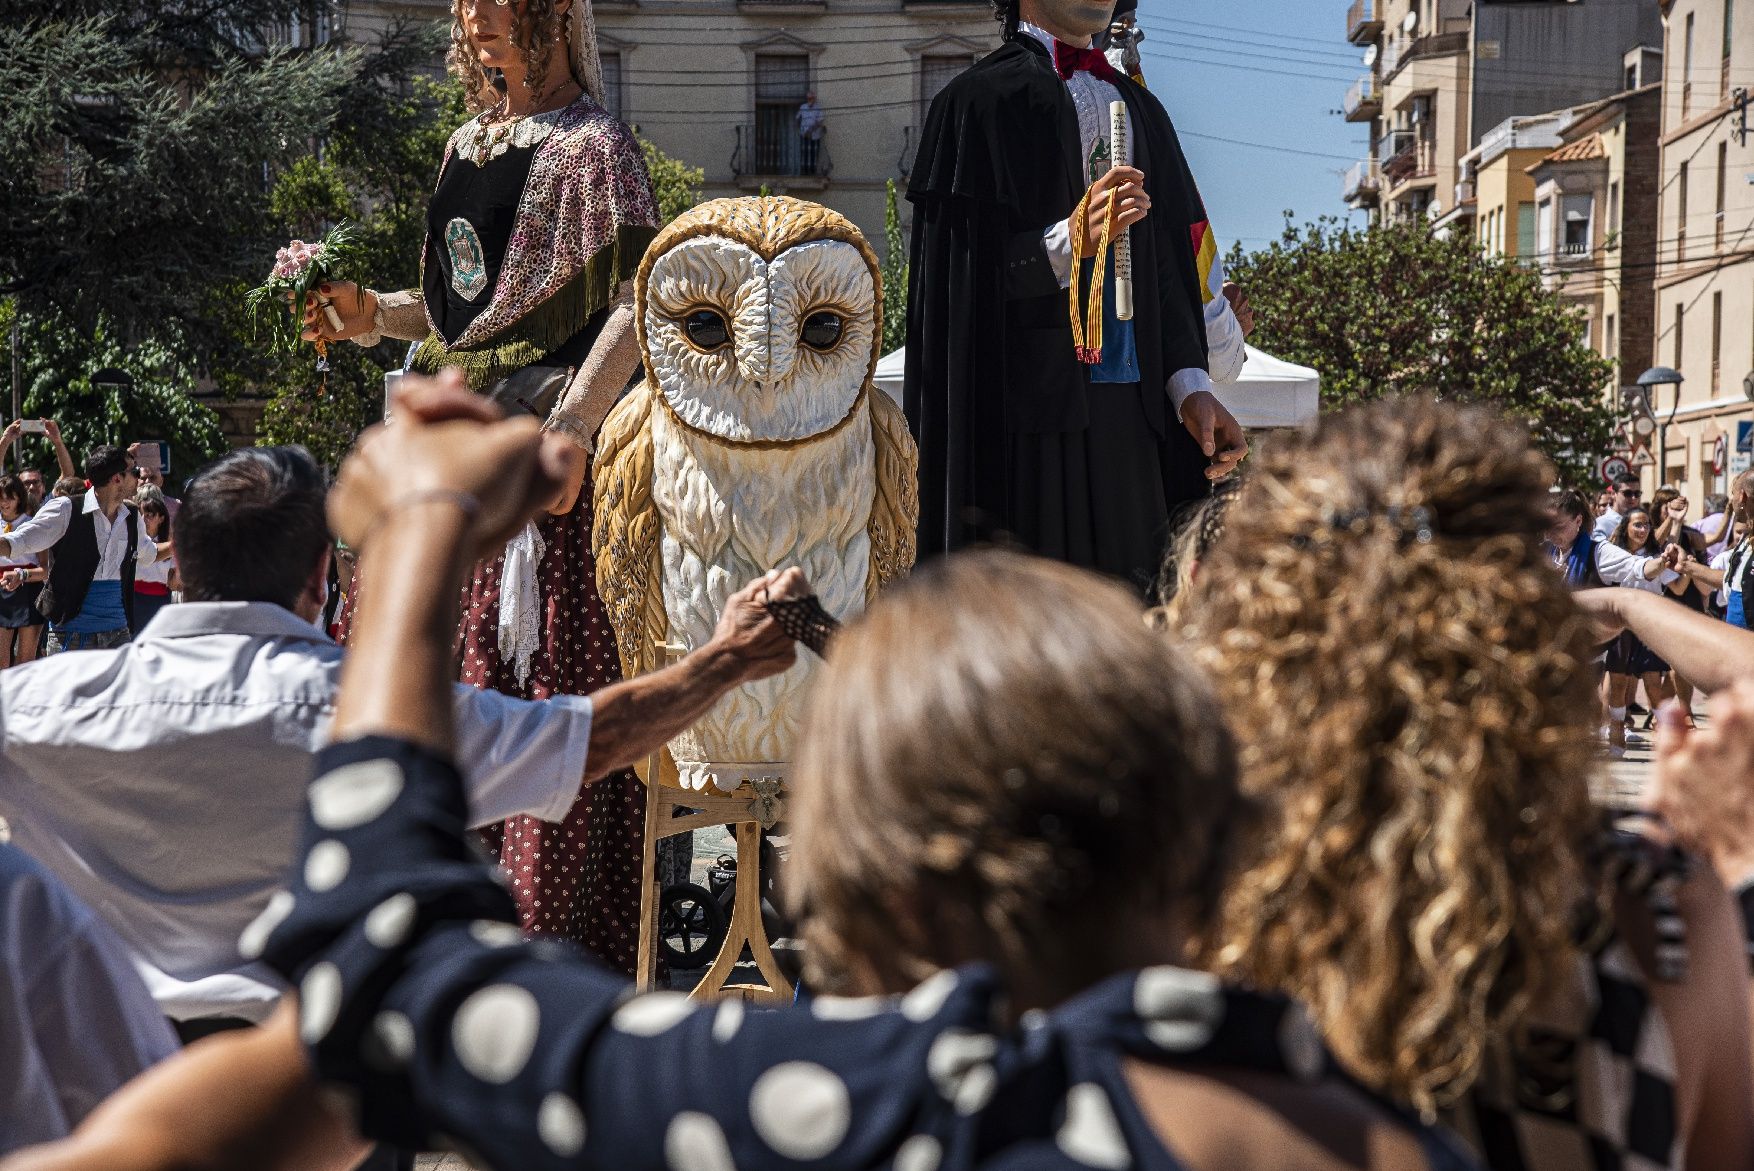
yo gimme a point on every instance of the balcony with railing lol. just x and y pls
(1400, 53)
(1363, 100)
(1362, 185)
(1364, 21)
(1406, 155)
(772, 149)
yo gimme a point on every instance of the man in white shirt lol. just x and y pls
(164, 782)
(79, 1024)
(1627, 495)
(99, 542)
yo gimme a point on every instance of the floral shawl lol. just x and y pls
(582, 225)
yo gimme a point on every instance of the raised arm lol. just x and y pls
(63, 458)
(1709, 653)
(41, 531)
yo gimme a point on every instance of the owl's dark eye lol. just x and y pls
(822, 330)
(706, 328)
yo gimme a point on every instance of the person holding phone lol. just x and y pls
(98, 543)
(34, 485)
(21, 582)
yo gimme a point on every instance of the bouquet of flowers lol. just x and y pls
(300, 269)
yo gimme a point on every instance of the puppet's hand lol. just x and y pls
(1125, 188)
(1216, 430)
(1239, 304)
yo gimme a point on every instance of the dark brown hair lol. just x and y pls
(252, 527)
(1001, 763)
(13, 487)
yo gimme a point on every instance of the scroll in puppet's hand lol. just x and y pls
(1217, 432)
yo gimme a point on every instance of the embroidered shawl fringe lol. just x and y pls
(549, 325)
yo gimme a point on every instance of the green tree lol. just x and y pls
(895, 275)
(676, 184)
(1398, 309)
(155, 154)
(55, 366)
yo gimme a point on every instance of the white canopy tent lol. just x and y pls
(1270, 393)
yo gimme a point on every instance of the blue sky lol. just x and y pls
(1263, 72)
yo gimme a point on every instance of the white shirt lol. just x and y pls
(1732, 561)
(50, 523)
(1607, 524)
(1616, 567)
(1091, 97)
(78, 1022)
(164, 782)
(7, 528)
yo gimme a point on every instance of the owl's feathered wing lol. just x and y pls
(895, 508)
(625, 527)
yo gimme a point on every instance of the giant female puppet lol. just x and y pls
(542, 212)
(1027, 433)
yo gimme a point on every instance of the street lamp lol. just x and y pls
(1650, 380)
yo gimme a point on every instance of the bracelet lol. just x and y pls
(465, 503)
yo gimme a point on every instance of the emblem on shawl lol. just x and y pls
(468, 262)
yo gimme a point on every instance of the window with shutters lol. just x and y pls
(782, 82)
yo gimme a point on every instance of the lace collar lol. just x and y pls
(481, 142)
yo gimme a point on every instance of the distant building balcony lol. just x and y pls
(772, 150)
(1363, 184)
(1363, 100)
(1396, 147)
(1364, 21)
(1401, 53)
(1405, 155)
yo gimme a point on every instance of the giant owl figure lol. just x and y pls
(758, 441)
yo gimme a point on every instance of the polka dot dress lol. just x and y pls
(420, 1004)
(577, 878)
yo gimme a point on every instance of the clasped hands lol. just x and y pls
(450, 448)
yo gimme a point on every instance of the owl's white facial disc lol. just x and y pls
(728, 336)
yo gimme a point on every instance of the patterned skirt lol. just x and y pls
(578, 878)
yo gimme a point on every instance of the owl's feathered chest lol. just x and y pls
(758, 507)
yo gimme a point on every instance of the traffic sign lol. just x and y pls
(1613, 467)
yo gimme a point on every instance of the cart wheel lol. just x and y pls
(691, 926)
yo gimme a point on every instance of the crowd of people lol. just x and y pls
(113, 577)
(1626, 543)
(1302, 867)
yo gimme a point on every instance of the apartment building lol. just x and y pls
(1441, 74)
(1594, 223)
(719, 83)
(1705, 245)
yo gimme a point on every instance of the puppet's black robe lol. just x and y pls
(1016, 444)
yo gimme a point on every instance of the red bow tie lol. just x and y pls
(1068, 61)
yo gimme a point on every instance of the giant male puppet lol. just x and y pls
(1027, 433)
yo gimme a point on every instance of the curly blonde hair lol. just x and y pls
(538, 31)
(1410, 685)
(1001, 764)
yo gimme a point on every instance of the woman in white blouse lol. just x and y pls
(153, 583)
(21, 581)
